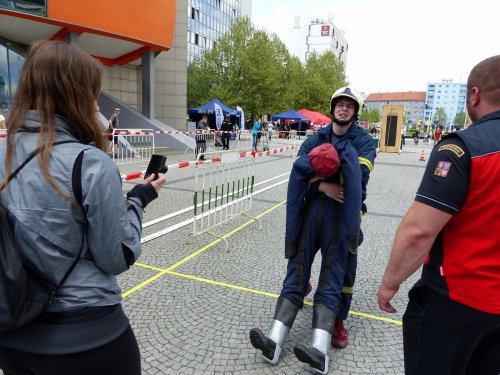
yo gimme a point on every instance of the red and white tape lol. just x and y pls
(184, 164)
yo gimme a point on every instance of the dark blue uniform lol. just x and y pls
(316, 221)
(363, 143)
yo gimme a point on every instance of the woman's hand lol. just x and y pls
(158, 183)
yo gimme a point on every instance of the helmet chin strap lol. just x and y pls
(344, 122)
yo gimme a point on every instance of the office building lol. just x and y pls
(317, 36)
(144, 49)
(447, 95)
(413, 102)
(208, 20)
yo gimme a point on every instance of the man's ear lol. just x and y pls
(475, 96)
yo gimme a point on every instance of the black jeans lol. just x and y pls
(120, 356)
(443, 337)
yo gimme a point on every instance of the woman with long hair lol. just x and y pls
(66, 206)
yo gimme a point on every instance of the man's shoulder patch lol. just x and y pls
(442, 168)
(457, 150)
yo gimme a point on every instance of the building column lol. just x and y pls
(148, 84)
(72, 38)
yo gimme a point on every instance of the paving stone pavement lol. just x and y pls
(195, 318)
(192, 304)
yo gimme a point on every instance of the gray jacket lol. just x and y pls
(50, 229)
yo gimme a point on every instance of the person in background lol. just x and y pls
(437, 135)
(452, 320)
(255, 133)
(270, 129)
(226, 129)
(84, 330)
(114, 120)
(202, 128)
(114, 123)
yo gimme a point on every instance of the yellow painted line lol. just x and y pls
(226, 285)
(144, 283)
(142, 265)
(169, 271)
(273, 295)
(181, 262)
(235, 230)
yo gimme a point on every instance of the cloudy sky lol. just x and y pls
(397, 45)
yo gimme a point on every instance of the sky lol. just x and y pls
(396, 45)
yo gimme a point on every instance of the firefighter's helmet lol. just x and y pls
(347, 92)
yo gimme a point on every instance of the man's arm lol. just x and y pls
(414, 238)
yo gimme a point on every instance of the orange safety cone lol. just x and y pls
(422, 156)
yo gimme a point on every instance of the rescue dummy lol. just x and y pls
(314, 221)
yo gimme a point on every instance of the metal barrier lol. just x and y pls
(132, 145)
(222, 192)
(205, 142)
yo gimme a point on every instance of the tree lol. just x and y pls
(373, 115)
(323, 75)
(459, 120)
(440, 117)
(252, 69)
(246, 67)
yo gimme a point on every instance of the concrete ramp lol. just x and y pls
(130, 118)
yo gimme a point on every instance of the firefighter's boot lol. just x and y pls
(318, 354)
(271, 344)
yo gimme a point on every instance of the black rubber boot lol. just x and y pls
(318, 354)
(272, 344)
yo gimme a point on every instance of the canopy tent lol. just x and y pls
(292, 115)
(209, 109)
(316, 117)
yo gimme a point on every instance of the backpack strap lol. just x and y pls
(77, 178)
(31, 156)
(76, 182)
(77, 191)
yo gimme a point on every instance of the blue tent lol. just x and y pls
(291, 115)
(208, 109)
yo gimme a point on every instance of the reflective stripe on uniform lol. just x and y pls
(366, 162)
(348, 289)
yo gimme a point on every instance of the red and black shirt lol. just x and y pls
(463, 178)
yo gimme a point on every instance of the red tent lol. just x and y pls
(316, 117)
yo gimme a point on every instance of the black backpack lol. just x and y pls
(22, 297)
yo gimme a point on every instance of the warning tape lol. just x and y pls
(184, 164)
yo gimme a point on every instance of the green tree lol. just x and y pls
(246, 67)
(459, 120)
(373, 115)
(253, 69)
(440, 117)
(323, 74)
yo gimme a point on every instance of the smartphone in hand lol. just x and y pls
(157, 164)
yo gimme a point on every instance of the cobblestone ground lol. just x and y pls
(195, 318)
(192, 303)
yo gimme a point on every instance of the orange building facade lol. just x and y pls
(133, 39)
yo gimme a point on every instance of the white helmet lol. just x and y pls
(347, 92)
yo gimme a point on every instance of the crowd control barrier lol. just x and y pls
(132, 145)
(222, 192)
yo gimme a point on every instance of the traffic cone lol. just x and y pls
(422, 156)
